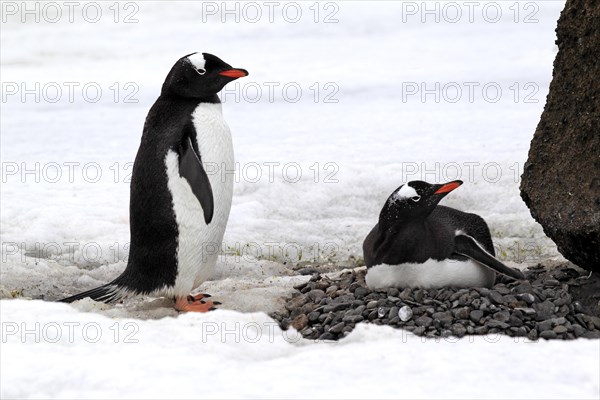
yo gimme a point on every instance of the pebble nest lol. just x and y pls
(560, 303)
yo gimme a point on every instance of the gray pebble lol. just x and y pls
(337, 328)
(459, 330)
(424, 321)
(476, 315)
(548, 335)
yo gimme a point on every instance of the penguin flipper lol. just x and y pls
(467, 246)
(190, 168)
(106, 293)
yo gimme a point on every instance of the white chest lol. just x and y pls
(430, 274)
(198, 243)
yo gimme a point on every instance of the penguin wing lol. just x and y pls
(190, 168)
(467, 246)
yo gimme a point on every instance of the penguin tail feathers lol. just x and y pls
(107, 293)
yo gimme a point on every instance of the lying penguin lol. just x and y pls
(420, 244)
(178, 212)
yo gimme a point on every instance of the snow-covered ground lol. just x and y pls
(345, 101)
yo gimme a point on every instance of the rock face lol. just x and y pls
(561, 179)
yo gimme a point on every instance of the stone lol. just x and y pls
(314, 316)
(461, 313)
(336, 307)
(493, 323)
(544, 325)
(296, 302)
(526, 297)
(496, 297)
(544, 310)
(315, 295)
(424, 321)
(372, 304)
(405, 313)
(300, 322)
(476, 315)
(548, 335)
(560, 329)
(327, 336)
(337, 328)
(502, 316)
(354, 319)
(361, 292)
(458, 330)
(561, 178)
(406, 294)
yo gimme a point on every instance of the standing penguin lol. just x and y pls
(420, 244)
(178, 212)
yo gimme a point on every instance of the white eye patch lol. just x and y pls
(406, 191)
(197, 60)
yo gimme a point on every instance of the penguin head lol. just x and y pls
(200, 75)
(414, 200)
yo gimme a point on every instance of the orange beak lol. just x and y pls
(448, 187)
(234, 73)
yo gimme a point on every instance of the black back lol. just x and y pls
(412, 228)
(152, 259)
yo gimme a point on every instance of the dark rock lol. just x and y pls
(496, 297)
(419, 330)
(548, 335)
(544, 310)
(361, 292)
(519, 331)
(515, 321)
(551, 283)
(308, 271)
(336, 307)
(591, 335)
(296, 302)
(476, 315)
(493, 323)
(406, 294)
(327, 336)
(526, 297)
(461, 313)
(561, 178)
(313, 316)
(481, 330)
(337, 328)
(300, 322)
(424, 321)
(544, 325)
(560, 329)
(372, 304)
(502, 316)
(458, 330)
(353, 318)
(315, 295)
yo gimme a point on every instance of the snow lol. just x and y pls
(228, 354)
(377, 107)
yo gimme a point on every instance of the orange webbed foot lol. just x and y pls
(194, 304)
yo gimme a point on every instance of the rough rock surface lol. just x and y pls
(552, 303)
(561, 179)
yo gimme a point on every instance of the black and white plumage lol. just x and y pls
(417, 243)
(178, 212)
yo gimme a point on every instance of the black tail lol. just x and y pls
(106, 293)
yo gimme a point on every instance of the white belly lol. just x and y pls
(199, 244)
(430, 274)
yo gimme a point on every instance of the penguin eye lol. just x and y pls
(415, 198)
(201, 71)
